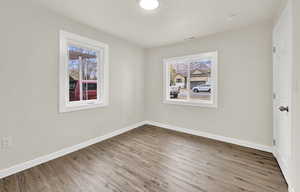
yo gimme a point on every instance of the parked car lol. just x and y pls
(202, 88)
(89, 88)
(174, 92)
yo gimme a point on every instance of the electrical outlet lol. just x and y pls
(6, 143)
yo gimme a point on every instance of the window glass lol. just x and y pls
(192, 80)
(178, 72)
(82, 68)
(200, 80)
(73, 78)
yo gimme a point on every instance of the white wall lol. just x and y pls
(29, 84)
(245, 85)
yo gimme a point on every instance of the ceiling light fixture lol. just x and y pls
(149, 4)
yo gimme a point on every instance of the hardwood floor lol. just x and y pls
(152, 159)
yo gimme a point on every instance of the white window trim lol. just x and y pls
(67, 38)
(211, 104)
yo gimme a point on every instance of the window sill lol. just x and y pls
(189, 103)
(81, 107)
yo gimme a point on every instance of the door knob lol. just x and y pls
(282, 108)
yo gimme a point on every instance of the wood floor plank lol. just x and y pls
(152, 159)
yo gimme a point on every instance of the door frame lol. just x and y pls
(285, 166)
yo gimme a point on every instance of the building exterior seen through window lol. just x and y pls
(191, 79)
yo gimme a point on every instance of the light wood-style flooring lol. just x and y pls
(153, 159)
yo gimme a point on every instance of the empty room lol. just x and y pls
(150, 96)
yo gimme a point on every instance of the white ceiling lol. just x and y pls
(173, 21)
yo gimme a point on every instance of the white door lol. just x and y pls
(282, 87)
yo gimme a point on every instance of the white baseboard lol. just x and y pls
(213, 136)
(32, 163)
(29, 164)
(284, 168)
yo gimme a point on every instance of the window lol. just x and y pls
(191, 80)
(83, 73)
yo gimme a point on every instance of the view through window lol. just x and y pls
(191, 79)
(83, 74)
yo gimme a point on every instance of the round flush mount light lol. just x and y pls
(149, 4)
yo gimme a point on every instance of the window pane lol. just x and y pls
(200, 80)
(89, 76)
(74, 93)
(178, 81)
(82, 68)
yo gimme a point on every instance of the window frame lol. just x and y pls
(213, 55)
(66, 39)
